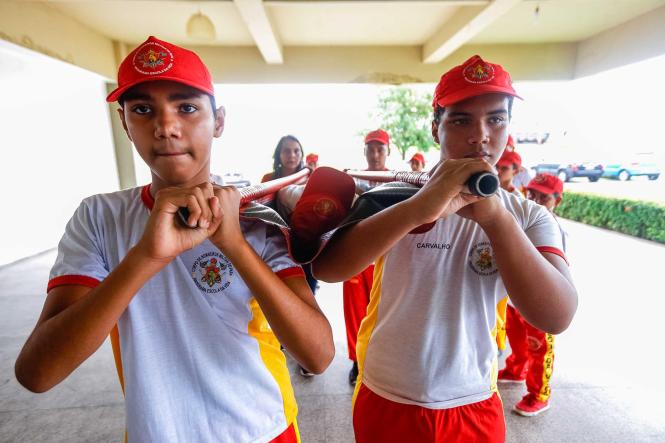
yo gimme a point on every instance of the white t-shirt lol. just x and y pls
(288, 197)
(564, 241)
(427, 338)
(522, 178)
(197, 359)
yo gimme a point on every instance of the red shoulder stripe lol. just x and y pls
(82, 280)
(554, 251)
(296, 271)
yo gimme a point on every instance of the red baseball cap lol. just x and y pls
(311, 158)
(325, 201)
(547, 184)
(155, 59)
(472, 78)
(378, 135)
(418, 156)
(510, 143)
(509, 158)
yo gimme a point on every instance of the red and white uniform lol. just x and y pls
(428, 340)
(521, 179)
(196, 357)
(532, 350)
(516, 191)
(356, 290)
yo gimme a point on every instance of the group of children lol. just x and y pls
(197, 313)
(532, 356)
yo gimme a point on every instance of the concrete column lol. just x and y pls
(124, 150)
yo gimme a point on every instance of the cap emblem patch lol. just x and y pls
(325, 208)
(479, 72)
(153, 58)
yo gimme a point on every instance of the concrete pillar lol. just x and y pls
(124, 150)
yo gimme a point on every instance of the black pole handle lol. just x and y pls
(483, 184)
(183, 215)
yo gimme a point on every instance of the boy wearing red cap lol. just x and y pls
(377, 150)
(356, 290)
(522, 177)
(426, 349)
(417, 162)
(193, 311)
(532, 357)
(507, 166)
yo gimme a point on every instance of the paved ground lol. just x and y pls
(606, 387)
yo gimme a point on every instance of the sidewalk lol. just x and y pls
(606, 383)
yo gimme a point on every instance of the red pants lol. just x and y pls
(378, 420)
(288, 436)
(532, 354)
(356, 298)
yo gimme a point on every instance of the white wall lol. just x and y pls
(636, 40)
(55, 148)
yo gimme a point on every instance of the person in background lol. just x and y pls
(507, 167)
(356, 290)
(532, 357)
(522, 177)
(417, 162)
(288, 159)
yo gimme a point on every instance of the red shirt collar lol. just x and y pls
(147, 197)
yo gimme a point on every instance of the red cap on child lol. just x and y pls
(509, 158)
(510, 143)
(472, 78)
(418, 156)
(547, 184)
(154, 60)
(311, 158)
(378, 135)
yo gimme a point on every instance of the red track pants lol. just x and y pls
(532, 354)
(356, 298)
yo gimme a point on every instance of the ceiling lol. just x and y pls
(562, 20)
(355, 23)
(325, 40)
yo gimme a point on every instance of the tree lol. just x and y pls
(407, 115)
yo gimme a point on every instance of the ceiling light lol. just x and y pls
(200, 27)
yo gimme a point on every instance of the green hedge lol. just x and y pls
(638, 218)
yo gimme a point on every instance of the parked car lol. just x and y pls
(532, 137)
(640, 166)
(231, 178)
(566, 172)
